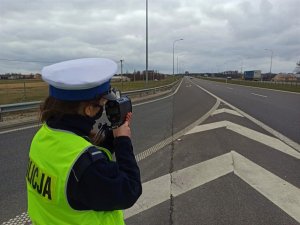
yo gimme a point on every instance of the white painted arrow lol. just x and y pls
(249, 133)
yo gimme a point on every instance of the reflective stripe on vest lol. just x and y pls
(52, 155)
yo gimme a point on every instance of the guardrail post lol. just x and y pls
(1, 115)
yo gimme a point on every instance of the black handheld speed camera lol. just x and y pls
(116, 110)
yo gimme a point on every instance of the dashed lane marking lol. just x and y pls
(22, 219)
(263, 96)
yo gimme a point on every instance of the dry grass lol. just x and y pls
(15, 91)
(22, 91)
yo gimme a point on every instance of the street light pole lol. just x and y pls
(146, 43)
(173, 51)
(271, 59)
(177, 66)
(122, 72)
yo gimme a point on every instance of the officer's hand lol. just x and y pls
(124, 129)
(128, 118)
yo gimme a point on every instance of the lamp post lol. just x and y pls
(173, 51)
(271, 59)
(146, 43)
(177, 65)
(121, 60)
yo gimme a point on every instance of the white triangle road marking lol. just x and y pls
(249, 133)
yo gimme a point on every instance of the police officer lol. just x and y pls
(70, 180)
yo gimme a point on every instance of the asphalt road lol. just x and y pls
(243, 191)
(277, 109)
(229, 184)
(152, 123)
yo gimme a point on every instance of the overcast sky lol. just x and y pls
(218, 34)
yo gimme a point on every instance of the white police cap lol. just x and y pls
(80, 79)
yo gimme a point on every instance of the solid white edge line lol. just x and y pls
(159, 99)
(277, 134)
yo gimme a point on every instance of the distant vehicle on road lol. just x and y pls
(252, 75)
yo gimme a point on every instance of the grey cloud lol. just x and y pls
(217, 33)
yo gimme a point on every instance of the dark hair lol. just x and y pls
(55, 108)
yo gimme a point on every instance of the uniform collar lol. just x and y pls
(78, 124)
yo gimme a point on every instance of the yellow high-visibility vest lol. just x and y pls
(51, 158)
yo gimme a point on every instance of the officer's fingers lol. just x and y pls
(126, 123)
(128, 118)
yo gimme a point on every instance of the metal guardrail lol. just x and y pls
(19, 106)
(36, 104)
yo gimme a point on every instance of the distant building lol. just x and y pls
(37, 76)
(231, 72)
(120, 78)
(17, 76)
(285, 77)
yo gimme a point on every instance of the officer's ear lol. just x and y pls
(85, 109)
(89, 110)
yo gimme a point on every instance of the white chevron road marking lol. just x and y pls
(249, 133)
(281, 193)
(224, 110)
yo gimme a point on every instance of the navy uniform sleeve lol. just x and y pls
(106, 185)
